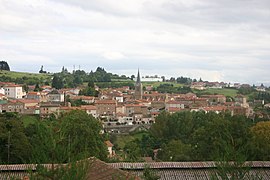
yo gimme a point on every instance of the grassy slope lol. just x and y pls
(224, 91)
(156, 84)
(14, 74)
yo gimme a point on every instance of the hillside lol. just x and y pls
(14, 75)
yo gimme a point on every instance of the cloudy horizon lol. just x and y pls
(226, 40)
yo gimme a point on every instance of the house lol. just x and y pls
(48, 108)
(40, 96)
(106, 107)
(260, 88)
(86, 99)
(174, 104)
(66, 109)
(55, 96)
(215, 99)
(241, 100)
(13, 91)
(29, 102)
(132, 109)
(198, 85)
(123, 119)
(13, 106)
(90, 109)
(216, 109)
(110, 148)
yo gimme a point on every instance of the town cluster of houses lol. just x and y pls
(115, 105)
(220, 85)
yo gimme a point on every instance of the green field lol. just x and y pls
(122, 80)
(156, 84)
(224, 91)
(15, 75)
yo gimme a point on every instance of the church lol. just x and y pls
(138, 88)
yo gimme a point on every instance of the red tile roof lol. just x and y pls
(108, 144)
(105, 102)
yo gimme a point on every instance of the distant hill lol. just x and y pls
(14, 74)
(4, 66)
(24, 77)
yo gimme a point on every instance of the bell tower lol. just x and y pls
(138, 88)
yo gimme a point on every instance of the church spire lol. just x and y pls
(138, 78)
(138, 88)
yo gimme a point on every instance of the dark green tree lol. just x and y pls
(57, 82)
(4, 66)
(14, 145)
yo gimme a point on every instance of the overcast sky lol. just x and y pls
(217, 40)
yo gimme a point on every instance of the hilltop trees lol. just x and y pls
(4, 66)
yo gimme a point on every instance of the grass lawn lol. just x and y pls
(14, 74)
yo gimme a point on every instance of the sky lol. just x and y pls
(216, 40)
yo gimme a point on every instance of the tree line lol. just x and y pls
(199, 136)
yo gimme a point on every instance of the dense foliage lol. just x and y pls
(199, 136)
(170, 88)
(71, 137)
(78, 77)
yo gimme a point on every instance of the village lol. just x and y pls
(124, 106)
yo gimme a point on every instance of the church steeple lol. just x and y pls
(138, 78)
(138, 88)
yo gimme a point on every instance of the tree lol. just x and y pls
(14, 145)
(83, 132)
(91, 84)
(175, 150)
(41, 70)
(57, 82)
(260, 140)
(4, 66)
(37, 88)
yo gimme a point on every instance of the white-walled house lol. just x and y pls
(13, 91)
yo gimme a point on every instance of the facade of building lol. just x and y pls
(13, 91)
(106, 107)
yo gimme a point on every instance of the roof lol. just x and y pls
(98, 170)
(88, 107)
(25, 101)
(105, 102)
(33, 93)
(82, 97)
(109, 144)
(192, 170)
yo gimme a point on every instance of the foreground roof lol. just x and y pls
(164, 170)
(194, 170)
